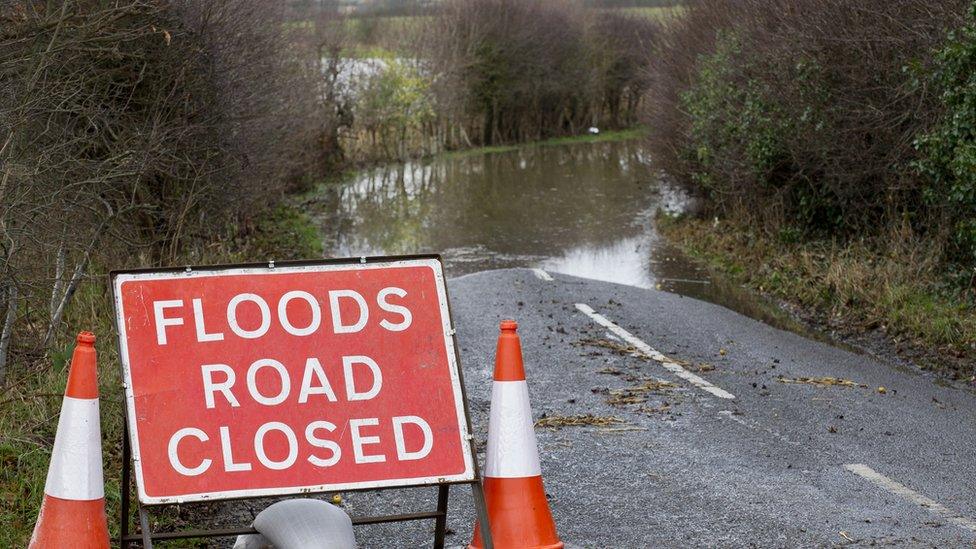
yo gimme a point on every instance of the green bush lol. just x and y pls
(393, 109)
(730, 116)
(948, 153)
(805, 116)
(741, 130)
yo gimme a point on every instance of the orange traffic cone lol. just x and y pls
(517, 507)
(73, 512)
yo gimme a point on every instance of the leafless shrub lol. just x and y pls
(130, 131)
(510, 70)
(618, 43)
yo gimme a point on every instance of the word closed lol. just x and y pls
(270, 381)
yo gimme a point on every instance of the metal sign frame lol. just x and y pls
(147, 536)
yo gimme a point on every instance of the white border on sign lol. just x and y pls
(465, 436)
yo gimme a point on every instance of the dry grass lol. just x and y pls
(890, 283)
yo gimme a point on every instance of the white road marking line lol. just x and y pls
(756, 426)
(542, 275)
(649, 352)
(911, 495)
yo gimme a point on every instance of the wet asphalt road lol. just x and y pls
(779, 465)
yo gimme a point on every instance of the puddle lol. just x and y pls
(585, 210)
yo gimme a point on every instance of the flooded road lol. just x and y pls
(586, 210)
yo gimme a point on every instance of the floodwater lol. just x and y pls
(586, 210)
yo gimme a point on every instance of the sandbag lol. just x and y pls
(304, 524)
(252, 541)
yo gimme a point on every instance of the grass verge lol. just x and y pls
(891, 285)
(31, 401)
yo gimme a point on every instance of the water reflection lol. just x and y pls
(629, 258)
(585, 210)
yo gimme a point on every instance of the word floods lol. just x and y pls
(269, 381)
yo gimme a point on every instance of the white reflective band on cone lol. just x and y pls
(76, 463)
(512, 452)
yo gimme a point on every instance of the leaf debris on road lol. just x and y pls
(619, 348)
(637, 394)
(821, 381)
(665, 407)
(558, 422)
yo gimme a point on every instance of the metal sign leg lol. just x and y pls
(479, 504)
(126, 488)
(146, 533)
(440, 527)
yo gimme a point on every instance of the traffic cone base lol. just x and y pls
(71, 523)
(73, 511)
(519, 508)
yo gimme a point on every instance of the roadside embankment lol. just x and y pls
(885, 293)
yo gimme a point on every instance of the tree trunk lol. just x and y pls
(7, 332)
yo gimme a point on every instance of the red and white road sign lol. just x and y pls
(257, 381)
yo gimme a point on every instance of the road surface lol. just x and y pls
(742, 445)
